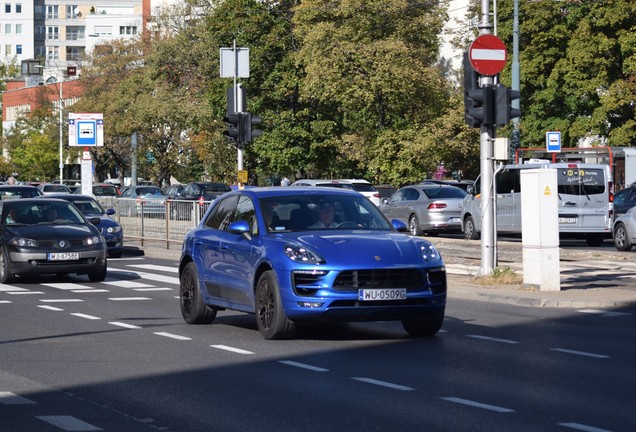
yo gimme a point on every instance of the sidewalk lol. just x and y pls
(582, 294)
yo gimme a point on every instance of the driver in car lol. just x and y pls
(326, 215)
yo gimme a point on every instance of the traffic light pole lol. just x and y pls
(486, 140)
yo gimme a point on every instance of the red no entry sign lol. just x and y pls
(488, 55)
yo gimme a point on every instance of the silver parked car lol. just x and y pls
(624, 230)
(427, 208)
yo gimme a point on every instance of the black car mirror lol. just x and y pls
(95, 220)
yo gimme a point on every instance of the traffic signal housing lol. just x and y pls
(249, 121)
(479, 107)
(503, 105)
(234, 129)
(470, 83)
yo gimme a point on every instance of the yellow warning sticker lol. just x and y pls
(547, 191)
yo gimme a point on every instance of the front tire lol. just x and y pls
(193, 308)
(621, 238)
(270, 316)
(6, 275)
(99, 275)
(470, 231)
(414, 226)
(423, 327)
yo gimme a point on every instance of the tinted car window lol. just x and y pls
(221, 216)
(444, 192)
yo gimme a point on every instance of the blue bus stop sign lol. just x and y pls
(553, 141)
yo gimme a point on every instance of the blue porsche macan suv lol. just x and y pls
(293, 255)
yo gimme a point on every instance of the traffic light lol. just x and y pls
(479, 106)
(503, 109)
(234, 127)
(249, 120)
(470, 83)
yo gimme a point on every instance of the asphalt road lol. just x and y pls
(117, 356)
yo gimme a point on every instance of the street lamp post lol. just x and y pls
(61, 109)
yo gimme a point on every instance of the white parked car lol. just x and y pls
(366, 189)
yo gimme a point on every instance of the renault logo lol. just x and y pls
(377, 257)
(62, 244)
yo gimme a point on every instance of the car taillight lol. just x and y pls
(436, 206)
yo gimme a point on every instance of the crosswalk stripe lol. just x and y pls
(9, 398)
(155, 267)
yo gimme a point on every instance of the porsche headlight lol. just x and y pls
(90, 241)
(23, 242)
(301, 254)
(430, 253)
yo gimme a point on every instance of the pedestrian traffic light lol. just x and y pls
(234, 127)
(249, 120)
(503, 105)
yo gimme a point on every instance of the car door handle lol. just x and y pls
(569, 203)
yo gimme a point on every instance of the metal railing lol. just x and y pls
(156, 220)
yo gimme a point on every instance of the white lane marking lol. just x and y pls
(582, 427)
(5, 288)
(90, 291)
(508, 341)
(603, 312)
(51, 308)
(303, 366)
(128, 284)
(383, 383)
(128, 298)
(581, 353)
(159, 278)
(68, 423)
(24, 292)
(153, 289)
(231, 349)
(5, 301)
(61, 300)
(155, 267)
(67, 286)
(81, 315)
(172, 336)
(8, 398)
(125, 325)
(477, 404)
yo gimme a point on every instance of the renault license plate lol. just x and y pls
(382, 294)
(567, 220)
(62, 256)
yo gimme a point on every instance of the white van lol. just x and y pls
(585, 207)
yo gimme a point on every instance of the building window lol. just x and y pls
(52, 33)
(8, 50)
(72, 12)
(18, 29)
(74, 32)
(40, 51)
(52, 12)
(75, 53)
(7, 8)
(52, 53)
(7, 29)
(18, 8)
(103, 30)
(18, 49)
(127, 30)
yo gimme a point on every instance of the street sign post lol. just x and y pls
(488, 55)
(553, 141)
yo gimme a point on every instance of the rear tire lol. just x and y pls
(193, 308)
(414, 226)
(270, 316)
(621, 238)
(594, 239)
(470, 231)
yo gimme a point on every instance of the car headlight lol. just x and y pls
(301, 254)
(113, 229)
(90, 241)
(430, 253)
(23, 242)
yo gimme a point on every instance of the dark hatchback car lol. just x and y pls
(201, 192)
(8, 192)
(111, 229)
(49, 236)
(272, 252)
(624, 200)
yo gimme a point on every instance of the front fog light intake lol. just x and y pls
(310, 305)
